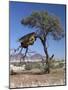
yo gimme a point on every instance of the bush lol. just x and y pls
(57, 65)
(43, 67)
(28, 67)
(36, 65)
(12, 72)
(61, 65)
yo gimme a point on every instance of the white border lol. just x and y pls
(45, 1)
(4, 43)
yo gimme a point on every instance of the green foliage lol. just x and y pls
(57, 64)
(28, 67)
(61, 65)
(45, 22)
(36, 65)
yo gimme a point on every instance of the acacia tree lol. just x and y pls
(45, 24)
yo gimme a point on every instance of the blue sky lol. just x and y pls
(19, 10)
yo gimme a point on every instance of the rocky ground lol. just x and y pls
(56, 77)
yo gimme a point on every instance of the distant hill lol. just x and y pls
(36, 56)
(33, 57)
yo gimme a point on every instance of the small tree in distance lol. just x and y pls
(45, 25)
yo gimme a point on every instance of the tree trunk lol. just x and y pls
(47, 70)
(47, 61)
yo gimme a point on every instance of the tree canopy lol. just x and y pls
(45, 23)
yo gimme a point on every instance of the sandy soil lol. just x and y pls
(56, 77)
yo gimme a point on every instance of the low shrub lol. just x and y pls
(28, 67)
(12, 72)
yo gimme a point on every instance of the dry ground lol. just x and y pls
(56, 77)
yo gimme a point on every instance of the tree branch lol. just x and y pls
(51, 57)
